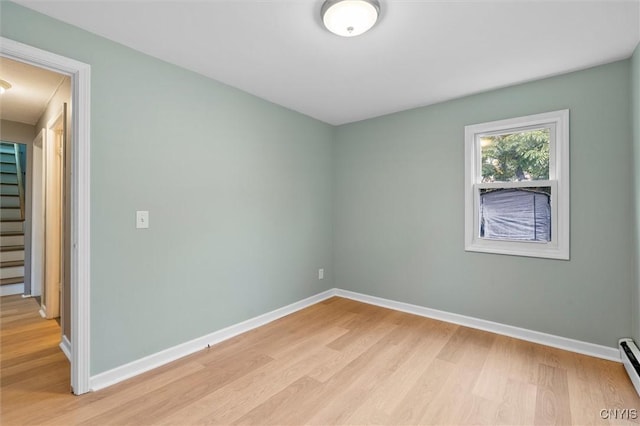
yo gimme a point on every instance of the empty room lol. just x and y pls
(319, 212)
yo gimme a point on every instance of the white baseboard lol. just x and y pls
(150, 362)
(11, 289)
(65, 345)
(565, 343)
(126, 371)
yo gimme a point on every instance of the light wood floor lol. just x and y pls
(337, 362)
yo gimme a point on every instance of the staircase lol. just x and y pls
(11, 220)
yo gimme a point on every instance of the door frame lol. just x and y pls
(80, 74)
(37, 214)
(54, 184)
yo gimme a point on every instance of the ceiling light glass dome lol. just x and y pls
(349, 18)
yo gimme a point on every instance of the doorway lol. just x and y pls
(34, 218)
(78, 247)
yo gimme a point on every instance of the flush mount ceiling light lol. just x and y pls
(349, 18)
(4, 86)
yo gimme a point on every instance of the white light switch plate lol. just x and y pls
(142, 219)
(321, 273)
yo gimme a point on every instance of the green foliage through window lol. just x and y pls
(515, 157)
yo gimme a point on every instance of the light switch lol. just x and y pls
(142, 219)
(321, 273)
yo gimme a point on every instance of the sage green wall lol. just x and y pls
(635, 114)
(399, 211)
(238, 189)
(248, 199)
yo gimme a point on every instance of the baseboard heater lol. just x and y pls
(630, 356)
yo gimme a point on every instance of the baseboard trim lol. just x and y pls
(11, 289)
(126, 371)
(134, 368)
(65, 346)
(559, 342)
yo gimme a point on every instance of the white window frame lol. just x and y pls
(558, 247)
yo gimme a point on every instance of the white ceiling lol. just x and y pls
(31, 90)
(421, 51)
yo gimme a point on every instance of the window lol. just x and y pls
(517, 186)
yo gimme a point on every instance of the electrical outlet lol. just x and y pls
(142, 219)
(321, 273)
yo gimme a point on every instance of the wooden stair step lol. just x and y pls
(11, 248)
(11, 263)
(13, 280)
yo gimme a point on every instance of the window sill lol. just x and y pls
(517, 248)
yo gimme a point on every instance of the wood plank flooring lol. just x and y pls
(336, 362)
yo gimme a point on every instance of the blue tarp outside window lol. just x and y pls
(516, 215)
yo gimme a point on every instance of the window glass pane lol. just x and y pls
(517, 156)
(516, 214)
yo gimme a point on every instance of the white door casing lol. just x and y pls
(37, 215)
(53, 217)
